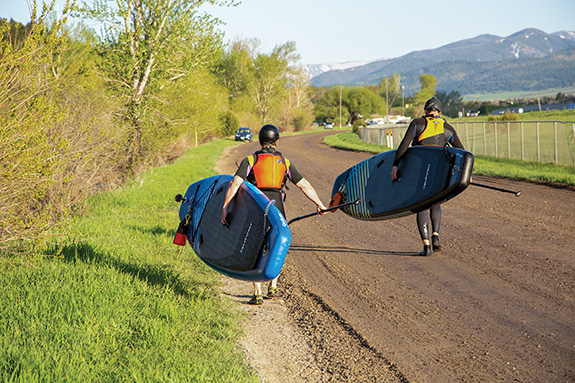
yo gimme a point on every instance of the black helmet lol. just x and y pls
(433, 104)
(269, 134)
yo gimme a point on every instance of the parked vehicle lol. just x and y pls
(328, 125)
(472, 113)
(244, 134)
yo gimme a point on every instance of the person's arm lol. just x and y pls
(310, 193)
(453, 139)
(402, 148)
(235, 184)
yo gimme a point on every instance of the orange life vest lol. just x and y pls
(269, 170)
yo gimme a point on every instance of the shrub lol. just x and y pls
(229, 124)
(356, 125)
(300, 121)
(508, 116)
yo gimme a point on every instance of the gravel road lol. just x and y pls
(358, 304)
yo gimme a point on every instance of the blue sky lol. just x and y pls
(367, 30)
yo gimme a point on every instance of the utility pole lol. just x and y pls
(386, 101)
(340, 106)
(402, 100)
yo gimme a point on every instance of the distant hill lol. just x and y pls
(524, 61)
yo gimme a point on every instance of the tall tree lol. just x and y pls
(452, 102)
(427, 90)
(145, 45)
(235, 68)
(271, 78)
(390, 89)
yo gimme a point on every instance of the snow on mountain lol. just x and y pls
(316, 69)
(567, 35)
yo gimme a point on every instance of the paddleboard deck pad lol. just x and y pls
(254, 244)
(428, 176)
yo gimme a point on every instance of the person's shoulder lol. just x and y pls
(419, 120)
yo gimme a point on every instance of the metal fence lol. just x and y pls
(541, 141)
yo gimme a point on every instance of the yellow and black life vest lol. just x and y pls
(433, 134)
(269, 170)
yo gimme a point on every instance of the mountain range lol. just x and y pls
(529, 60)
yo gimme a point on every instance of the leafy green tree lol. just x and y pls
(326, 103)
(427, 90)
(235, 67)
(452, 102)
(191, 108)
(390, 89)
(145, 46)
(271, 79)
(363, 102)
(297, 108)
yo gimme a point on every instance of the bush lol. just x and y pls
(356, 125)
(508, 116)
(229, 124)
(300, 121)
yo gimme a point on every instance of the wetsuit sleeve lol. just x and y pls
(452, 137)
(243, 169)
(404, 145)
(293, 174)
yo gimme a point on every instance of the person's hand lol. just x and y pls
(224, 216)
(321, 209)
(394, 173)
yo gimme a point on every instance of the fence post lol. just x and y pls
(484, 140)
(508, 140)
(556, 151)
(473, 133)
(538, 146)
(522, 143)
(496, 142)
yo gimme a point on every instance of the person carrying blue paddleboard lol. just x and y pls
(428, 130)
(269, 170)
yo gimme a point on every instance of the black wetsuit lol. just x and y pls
(415, 130)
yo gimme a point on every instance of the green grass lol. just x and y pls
(122, 303)
(350, 141)
(483, 165)
(546, 115)
(518, 94)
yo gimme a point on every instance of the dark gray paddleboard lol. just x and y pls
(428, 176)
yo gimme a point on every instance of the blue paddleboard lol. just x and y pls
(428, 176)
(252, 247)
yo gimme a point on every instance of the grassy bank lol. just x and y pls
(122, 304)
(489, 166)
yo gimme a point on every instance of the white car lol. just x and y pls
(328, 125)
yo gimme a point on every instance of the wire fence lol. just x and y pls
(541, 141)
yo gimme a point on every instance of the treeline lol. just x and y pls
(358, 104)
(81, 111)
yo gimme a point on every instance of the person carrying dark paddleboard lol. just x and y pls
(269, 170)
(428, 130)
